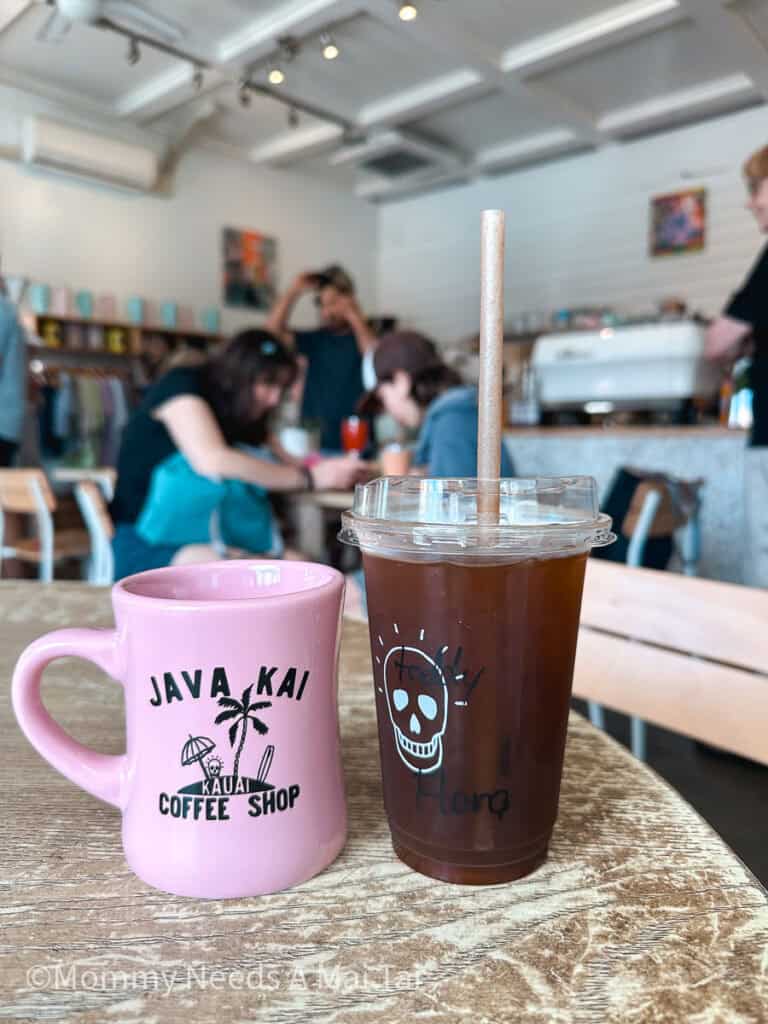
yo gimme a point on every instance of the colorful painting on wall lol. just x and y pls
(679, 222)
(250, 268)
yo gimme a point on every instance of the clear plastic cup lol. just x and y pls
(473, 636)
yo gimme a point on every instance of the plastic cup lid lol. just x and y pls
(538, 516)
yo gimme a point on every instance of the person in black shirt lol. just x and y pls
(334, 352)
(203, 412)
(745, 319)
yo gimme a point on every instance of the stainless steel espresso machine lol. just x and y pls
(649, 372)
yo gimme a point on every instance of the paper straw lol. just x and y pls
(491, 363)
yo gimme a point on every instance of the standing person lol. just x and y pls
(334, 351)
(744, 318)
(192, 424)
(13, 379)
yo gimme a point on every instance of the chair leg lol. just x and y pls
(638, 738)
(44, 534)
(596, 714)
(690, 546)
(636, 547)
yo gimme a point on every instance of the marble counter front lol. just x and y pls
(714, 454)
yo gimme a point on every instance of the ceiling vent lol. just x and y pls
(396, 154)
(399, 161)
(86, 155)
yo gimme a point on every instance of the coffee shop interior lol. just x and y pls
(241, 275)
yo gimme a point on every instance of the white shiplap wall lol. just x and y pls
(577, 231)
(65, 232)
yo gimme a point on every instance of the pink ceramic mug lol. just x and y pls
(231, 783)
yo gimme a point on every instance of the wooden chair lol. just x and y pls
(27, 492)
(91, 501)
(661, 506)
(104, 476)
(690, 655)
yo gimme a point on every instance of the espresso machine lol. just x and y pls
(650, 372)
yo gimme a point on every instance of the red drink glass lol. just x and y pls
(354, 434)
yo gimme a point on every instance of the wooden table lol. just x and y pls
(641, 914)
(311, 511)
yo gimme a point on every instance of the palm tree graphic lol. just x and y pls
(242, 711)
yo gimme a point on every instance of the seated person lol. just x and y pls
(204, 416)
(419, 391)
(416, 388)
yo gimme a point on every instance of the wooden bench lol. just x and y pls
(687, 654)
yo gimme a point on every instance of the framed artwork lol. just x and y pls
(678, 222)
(249, 269)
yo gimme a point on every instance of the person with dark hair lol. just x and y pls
(192, 428)
(420, 391)
(334, 352)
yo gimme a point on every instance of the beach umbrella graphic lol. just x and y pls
(195, 749)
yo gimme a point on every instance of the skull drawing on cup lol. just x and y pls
(417, 700)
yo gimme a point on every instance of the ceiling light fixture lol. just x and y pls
(134, 53)
(330, 49)
(244, 93)
(276, 75)
(407, 12)
(289, 48)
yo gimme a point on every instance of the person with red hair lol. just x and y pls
(745, 319)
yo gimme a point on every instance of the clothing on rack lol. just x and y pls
(81, 414)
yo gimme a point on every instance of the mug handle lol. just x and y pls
(102, 775)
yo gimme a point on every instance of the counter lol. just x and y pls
(714, 454)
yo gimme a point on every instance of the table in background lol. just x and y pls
(312, 512)
(641, 914)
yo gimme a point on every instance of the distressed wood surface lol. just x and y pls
(641, 914)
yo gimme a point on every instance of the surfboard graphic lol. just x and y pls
(266, 763)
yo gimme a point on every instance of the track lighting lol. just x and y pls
(293, 117)
(134, 53)
(244, 94)
(407, 12)
(330, 49)
(198, 78)
(275, 75)
(289, 48)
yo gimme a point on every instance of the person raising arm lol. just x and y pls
(333, 352)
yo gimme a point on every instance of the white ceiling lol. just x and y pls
(475, 124)
(469, 87)
(679, 57)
